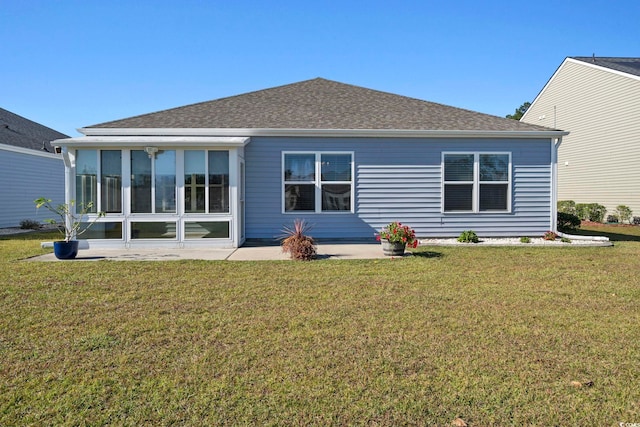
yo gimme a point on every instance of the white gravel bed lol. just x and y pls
(490, 241)
(513, 241)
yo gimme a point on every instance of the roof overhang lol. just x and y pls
(117, 140)
(185, 135)
(30, 151)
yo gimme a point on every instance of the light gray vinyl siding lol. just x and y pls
(24, 178)
(598, 160)
(399, 180)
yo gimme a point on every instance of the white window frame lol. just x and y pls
(317, 182)
(206, 183)
(476, 182)
(98, 201)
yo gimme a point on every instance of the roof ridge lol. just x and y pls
(195, 104)
(319, 103)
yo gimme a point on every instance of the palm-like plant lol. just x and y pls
(296, 243)
(70, 222)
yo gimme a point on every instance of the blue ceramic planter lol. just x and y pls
(65, 250)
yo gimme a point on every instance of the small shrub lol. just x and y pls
(567, 206)
(29, 224)
(525, 239)
(565, 240)
(624, 213)
(550, 235)
(468, 236)
(596, 212)
(582, 211)
(612, 219)
(296, 243)
(590, 211)
(567, 221)
(636, 220)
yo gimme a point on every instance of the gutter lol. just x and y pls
(350, 133)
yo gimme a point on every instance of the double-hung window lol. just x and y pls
(317, 182)
(477, 182)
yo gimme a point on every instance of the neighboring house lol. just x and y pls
(346, 159)
(598, 101)
(29, 168)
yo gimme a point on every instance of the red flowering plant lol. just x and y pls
(395, 232)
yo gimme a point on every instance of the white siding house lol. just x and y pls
(598, 101)
(28, 168)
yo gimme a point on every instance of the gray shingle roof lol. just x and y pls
(625, 65)
(321, 104)
(20, 132)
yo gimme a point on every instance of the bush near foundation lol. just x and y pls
(591, 212)
(567, 206)
(624, 214)
(567, 221)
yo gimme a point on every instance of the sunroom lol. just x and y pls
(158, 191)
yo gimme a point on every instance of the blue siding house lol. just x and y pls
(347, 159)
(29, 168)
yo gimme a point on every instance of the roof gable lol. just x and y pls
(17, 131)
(320, 104)
(627, 67)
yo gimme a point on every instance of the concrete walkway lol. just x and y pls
(248, 253)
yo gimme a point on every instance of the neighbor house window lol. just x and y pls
(317, 182)
(477, 182)
(99, 172)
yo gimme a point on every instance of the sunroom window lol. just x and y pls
(317, 182)
(108, 175)
(153, 182)
(477, 182)
(206, 181)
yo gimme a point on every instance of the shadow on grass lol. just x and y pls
(615, 234)
(427, 254)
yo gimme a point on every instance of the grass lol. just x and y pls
(495, 336)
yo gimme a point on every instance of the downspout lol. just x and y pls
(554, 184)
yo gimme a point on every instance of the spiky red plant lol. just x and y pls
(296, 243)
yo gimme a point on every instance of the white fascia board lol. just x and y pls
(348, 133)
(30, 152)
(601, 68)
(160, 141)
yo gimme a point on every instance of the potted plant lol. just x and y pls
(69, 224)
(395, 237)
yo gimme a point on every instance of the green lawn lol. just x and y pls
(495, 336)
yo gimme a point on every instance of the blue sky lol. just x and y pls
(69, 64)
